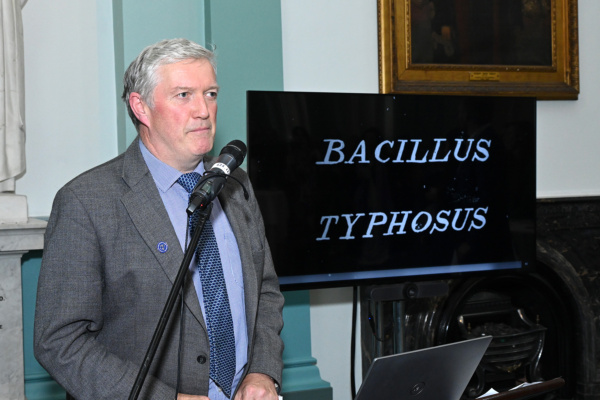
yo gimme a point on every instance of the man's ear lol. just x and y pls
(139, 107)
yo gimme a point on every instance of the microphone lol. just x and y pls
(213, 180)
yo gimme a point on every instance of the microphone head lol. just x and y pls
(237, 149)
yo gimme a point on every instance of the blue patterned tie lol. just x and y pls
(216, 301)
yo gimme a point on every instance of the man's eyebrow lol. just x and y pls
(179, 88)
(189, 88)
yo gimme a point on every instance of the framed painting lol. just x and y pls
(482, 47)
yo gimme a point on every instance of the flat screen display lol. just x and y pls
(377, 188)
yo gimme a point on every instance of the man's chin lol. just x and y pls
(205, 148)
(203, 154)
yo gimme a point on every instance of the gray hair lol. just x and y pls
(141, 76)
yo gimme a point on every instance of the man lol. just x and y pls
(115, 241)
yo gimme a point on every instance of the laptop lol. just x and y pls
(435, 373)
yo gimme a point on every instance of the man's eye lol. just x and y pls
(183, 94)
(212, 95)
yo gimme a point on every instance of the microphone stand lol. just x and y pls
(204, 212)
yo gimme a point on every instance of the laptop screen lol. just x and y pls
(435, 373)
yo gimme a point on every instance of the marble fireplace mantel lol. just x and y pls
(16, 239)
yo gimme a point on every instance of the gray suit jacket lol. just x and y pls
(103, 285)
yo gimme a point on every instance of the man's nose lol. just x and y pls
(201, 108)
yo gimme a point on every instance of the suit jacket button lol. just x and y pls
(201, 359)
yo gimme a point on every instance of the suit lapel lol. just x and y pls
(148, 214)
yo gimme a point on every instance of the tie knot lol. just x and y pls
(189, 181)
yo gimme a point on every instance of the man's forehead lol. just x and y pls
(187, 74)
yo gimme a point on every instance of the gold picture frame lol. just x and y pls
(533, 51)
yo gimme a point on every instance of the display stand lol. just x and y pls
(528, 392)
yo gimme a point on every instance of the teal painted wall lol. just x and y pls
(301, 377)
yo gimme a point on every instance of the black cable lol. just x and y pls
(373, 328)
(352, 341)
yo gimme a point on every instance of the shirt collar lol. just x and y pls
(164, 175)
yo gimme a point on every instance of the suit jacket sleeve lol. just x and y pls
(71, 309)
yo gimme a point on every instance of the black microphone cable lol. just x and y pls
(353, 340)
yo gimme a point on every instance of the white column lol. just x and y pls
(16, 239)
